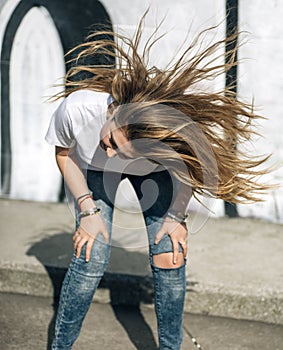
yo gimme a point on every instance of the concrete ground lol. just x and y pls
(234, 265)
(25, 322)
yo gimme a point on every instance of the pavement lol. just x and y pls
(26, 324)
(235, 266)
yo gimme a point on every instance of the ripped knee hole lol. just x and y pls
(165, 260)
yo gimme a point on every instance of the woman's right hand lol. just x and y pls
(90, 227)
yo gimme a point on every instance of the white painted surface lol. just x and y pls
(6, 9)
(183, 20)
(261, 78)
(36, 64)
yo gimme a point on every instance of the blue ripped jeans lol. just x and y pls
(155, 192)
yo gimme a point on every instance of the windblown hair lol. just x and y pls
(198, 129)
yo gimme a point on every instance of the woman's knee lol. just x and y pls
(165, 260)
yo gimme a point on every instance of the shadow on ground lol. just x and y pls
(55, 252)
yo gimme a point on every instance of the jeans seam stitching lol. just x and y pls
(66, 286)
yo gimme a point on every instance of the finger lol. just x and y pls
(105, 235)
(75, 236)
(158, 236)
(88, 249)
(79, 247)
(175, 251)
(185, 248)
(76, 241)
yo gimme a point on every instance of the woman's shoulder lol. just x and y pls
(86, 97)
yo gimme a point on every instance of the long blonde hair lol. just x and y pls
(193, 123)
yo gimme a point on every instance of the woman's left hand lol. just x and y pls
(178, 234)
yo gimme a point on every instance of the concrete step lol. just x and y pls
(234, 265)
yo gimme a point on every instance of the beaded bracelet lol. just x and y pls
(89, 212)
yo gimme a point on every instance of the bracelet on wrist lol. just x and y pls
(83, 195)
(89, 196)
(181, 218)
(92, 211)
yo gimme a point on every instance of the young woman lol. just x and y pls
(170, 140)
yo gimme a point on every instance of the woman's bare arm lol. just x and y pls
(90, 226)
(72, 174)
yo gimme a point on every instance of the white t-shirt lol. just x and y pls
(77, 123)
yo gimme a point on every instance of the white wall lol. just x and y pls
(261, 78)
(6, 9)
(183, 20)
(260, 74)
(34, 69)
